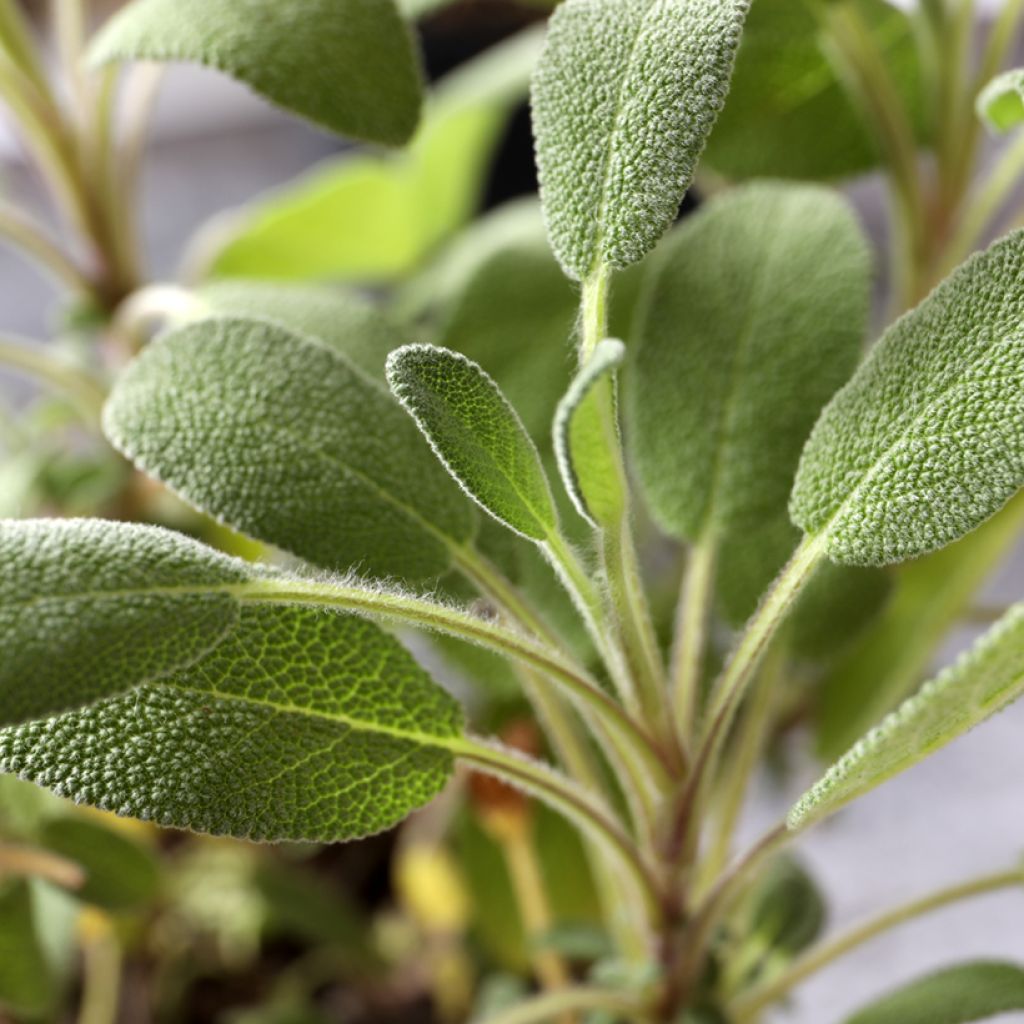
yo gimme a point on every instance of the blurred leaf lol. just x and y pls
(346, 65)
(787, 114)
(370, 218)
(281, 437)
(26, 984)
(788, 911)
(624, 97)
(957, 995)
(1001, 103)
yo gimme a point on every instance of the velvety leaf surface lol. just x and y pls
(624, 98)
(348, 65)
(376, 218)
(1001, 103)
(983, 681)
(787, 114)
(284, 439)
(26, 985)
(926, 441)
(957, 995)
(302, 725)
(477, 434)
(584, 456)
(73, 627)
(754, 315)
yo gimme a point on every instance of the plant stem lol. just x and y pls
(101, 969)
(747, 1007)
(32, 359)
(31, 862)
(33, 240)
(692, 617)
(547, 1007)
(562, 794)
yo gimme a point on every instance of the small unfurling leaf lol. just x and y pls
(1001, 103)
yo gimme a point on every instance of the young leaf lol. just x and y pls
(624, 97)
(754, 315)
(375, 218)
(983, 681)
(584, 460)
(925, 442)
(1001, 103)
(788, 114)
(477, 434)
(26, 982)
(73, 631)
(301, 725)
(347, 65)
(284, 439)
(957, 995)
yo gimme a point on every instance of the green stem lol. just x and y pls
(101, 974)
(998, 46)
(747, 1008)
(692, 617)
(548, 1007)
(16, 41)
(33, 240)
(32, 359)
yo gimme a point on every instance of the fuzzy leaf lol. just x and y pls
(375, 218)
(477, 434)
(71, 628)
(983, 681)
(26, 985)
(926, 441)
(347, 65)
(624, 98)
(584, 458)
(788, 114)
(1001, 103)
(301, 725)
(284, 439)
(754, 315)
(957, 995)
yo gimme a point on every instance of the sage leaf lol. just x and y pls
(624, 97)
(754, 314)
(301, 725)
(984, 680)
(347, 65)
(584, 457)
(926, 441)
(73, 628)
(1001, 103)
(26, 982)
(282, 438)
(373, 218)
(956, 995)
(477, 434)
(788, 114)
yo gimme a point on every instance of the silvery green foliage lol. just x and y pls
(926, 441)
(477, 434)
(75, 628)
(956, 995)
(983, 681)
(1001, 103)
(624, 98)
(754, 314)
(348, 65)
(584, 458)
(283, 438)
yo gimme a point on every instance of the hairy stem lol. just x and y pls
(30, 237)
(33, 360)
(747, 1007)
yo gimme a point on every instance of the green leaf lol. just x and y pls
(72, 628)
(347, 65)
(788, 911)
(925, 442)
(376, 218)
(585, 461)
(342, 320)
(477, 434)
(624, 98)
(301, 725)
(754, 315)
(981, 682)
(1001, 103)
(119, 873)
(788, 114)
(957, 995)
(25, 982)
(283, 439)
